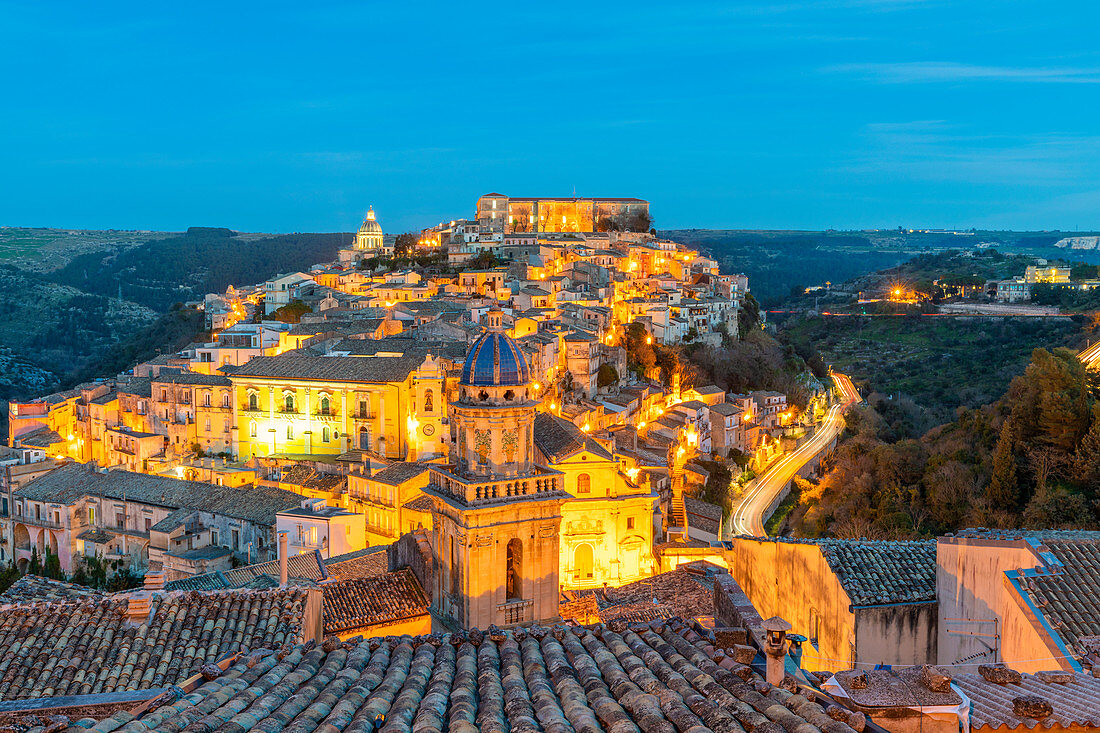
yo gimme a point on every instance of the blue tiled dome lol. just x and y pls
(495, 361)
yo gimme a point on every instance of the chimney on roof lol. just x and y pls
(775, 648)
(154, 581)
(282, 560)
(137, 607)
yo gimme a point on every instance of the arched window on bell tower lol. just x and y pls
(514, 569)
(429, 405)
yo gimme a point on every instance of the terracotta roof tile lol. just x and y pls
(32, 588)
(49, 650)
(362, 602)
(70, 482)
(359, 564)
(296, 365)
(654, 677)
(1075, 703)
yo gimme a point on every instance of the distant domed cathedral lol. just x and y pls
(496, 513)
(369, 236)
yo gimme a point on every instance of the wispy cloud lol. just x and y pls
(920, 72)
(932, 150)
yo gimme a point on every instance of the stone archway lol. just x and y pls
(583, 562)
(22, 538)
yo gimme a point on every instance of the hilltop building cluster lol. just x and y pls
(453, 500)
(401, 393)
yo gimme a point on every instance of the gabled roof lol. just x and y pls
(299, 366)
(560, 439)
(307, 567)
(93, 647)
(41, 437)
(875, 572)
(357, 564)
(208, 380)
(398, 473)
(362, 602)
(31, 588)
(705, 516)
(68, 483)
(565, 678)
(1067, 593)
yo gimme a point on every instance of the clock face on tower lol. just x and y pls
(429, 429)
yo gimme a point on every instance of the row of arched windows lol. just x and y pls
(289, 403)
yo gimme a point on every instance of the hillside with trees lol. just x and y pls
(203, 260)
(1030, 459)
(116, 300)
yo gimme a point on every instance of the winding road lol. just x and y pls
(748, 516)
(1090, 355)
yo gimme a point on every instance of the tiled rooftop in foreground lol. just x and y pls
(98, 646)
(659, 677)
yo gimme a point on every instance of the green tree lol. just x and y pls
(1003, 490)
(34, 567)
(748, 316)
(123, 579)
(404, 244)
(607, 376)
(1086, 461)
(292, 312)
(80, 574)
(8, 575)
(52, 568)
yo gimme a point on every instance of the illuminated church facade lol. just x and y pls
(518, 516)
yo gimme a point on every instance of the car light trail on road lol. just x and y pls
(748, 517)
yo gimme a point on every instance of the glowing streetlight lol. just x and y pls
(649, 339)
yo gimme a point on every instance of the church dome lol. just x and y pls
(370, 224)
(495, 361)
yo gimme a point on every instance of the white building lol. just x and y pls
(316, 526)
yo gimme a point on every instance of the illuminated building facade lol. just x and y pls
(497, 213)
(294, 406)
(369, 236)
(496, 513)
(607, 523)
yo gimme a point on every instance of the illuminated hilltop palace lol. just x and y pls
(509, 215)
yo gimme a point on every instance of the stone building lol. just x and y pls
(299, 405)
(607, 523)
(135, 519)
(857, 602)
(1030, 599)
(496, 513)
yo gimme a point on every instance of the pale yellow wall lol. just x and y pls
(971, 584)
(793, 580)
(412, 627)
(470, 587)
(377, 501)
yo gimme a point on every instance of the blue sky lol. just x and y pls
(295, 116)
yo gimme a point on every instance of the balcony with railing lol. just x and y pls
(43, 522)
(515, 611)
(471, 491)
